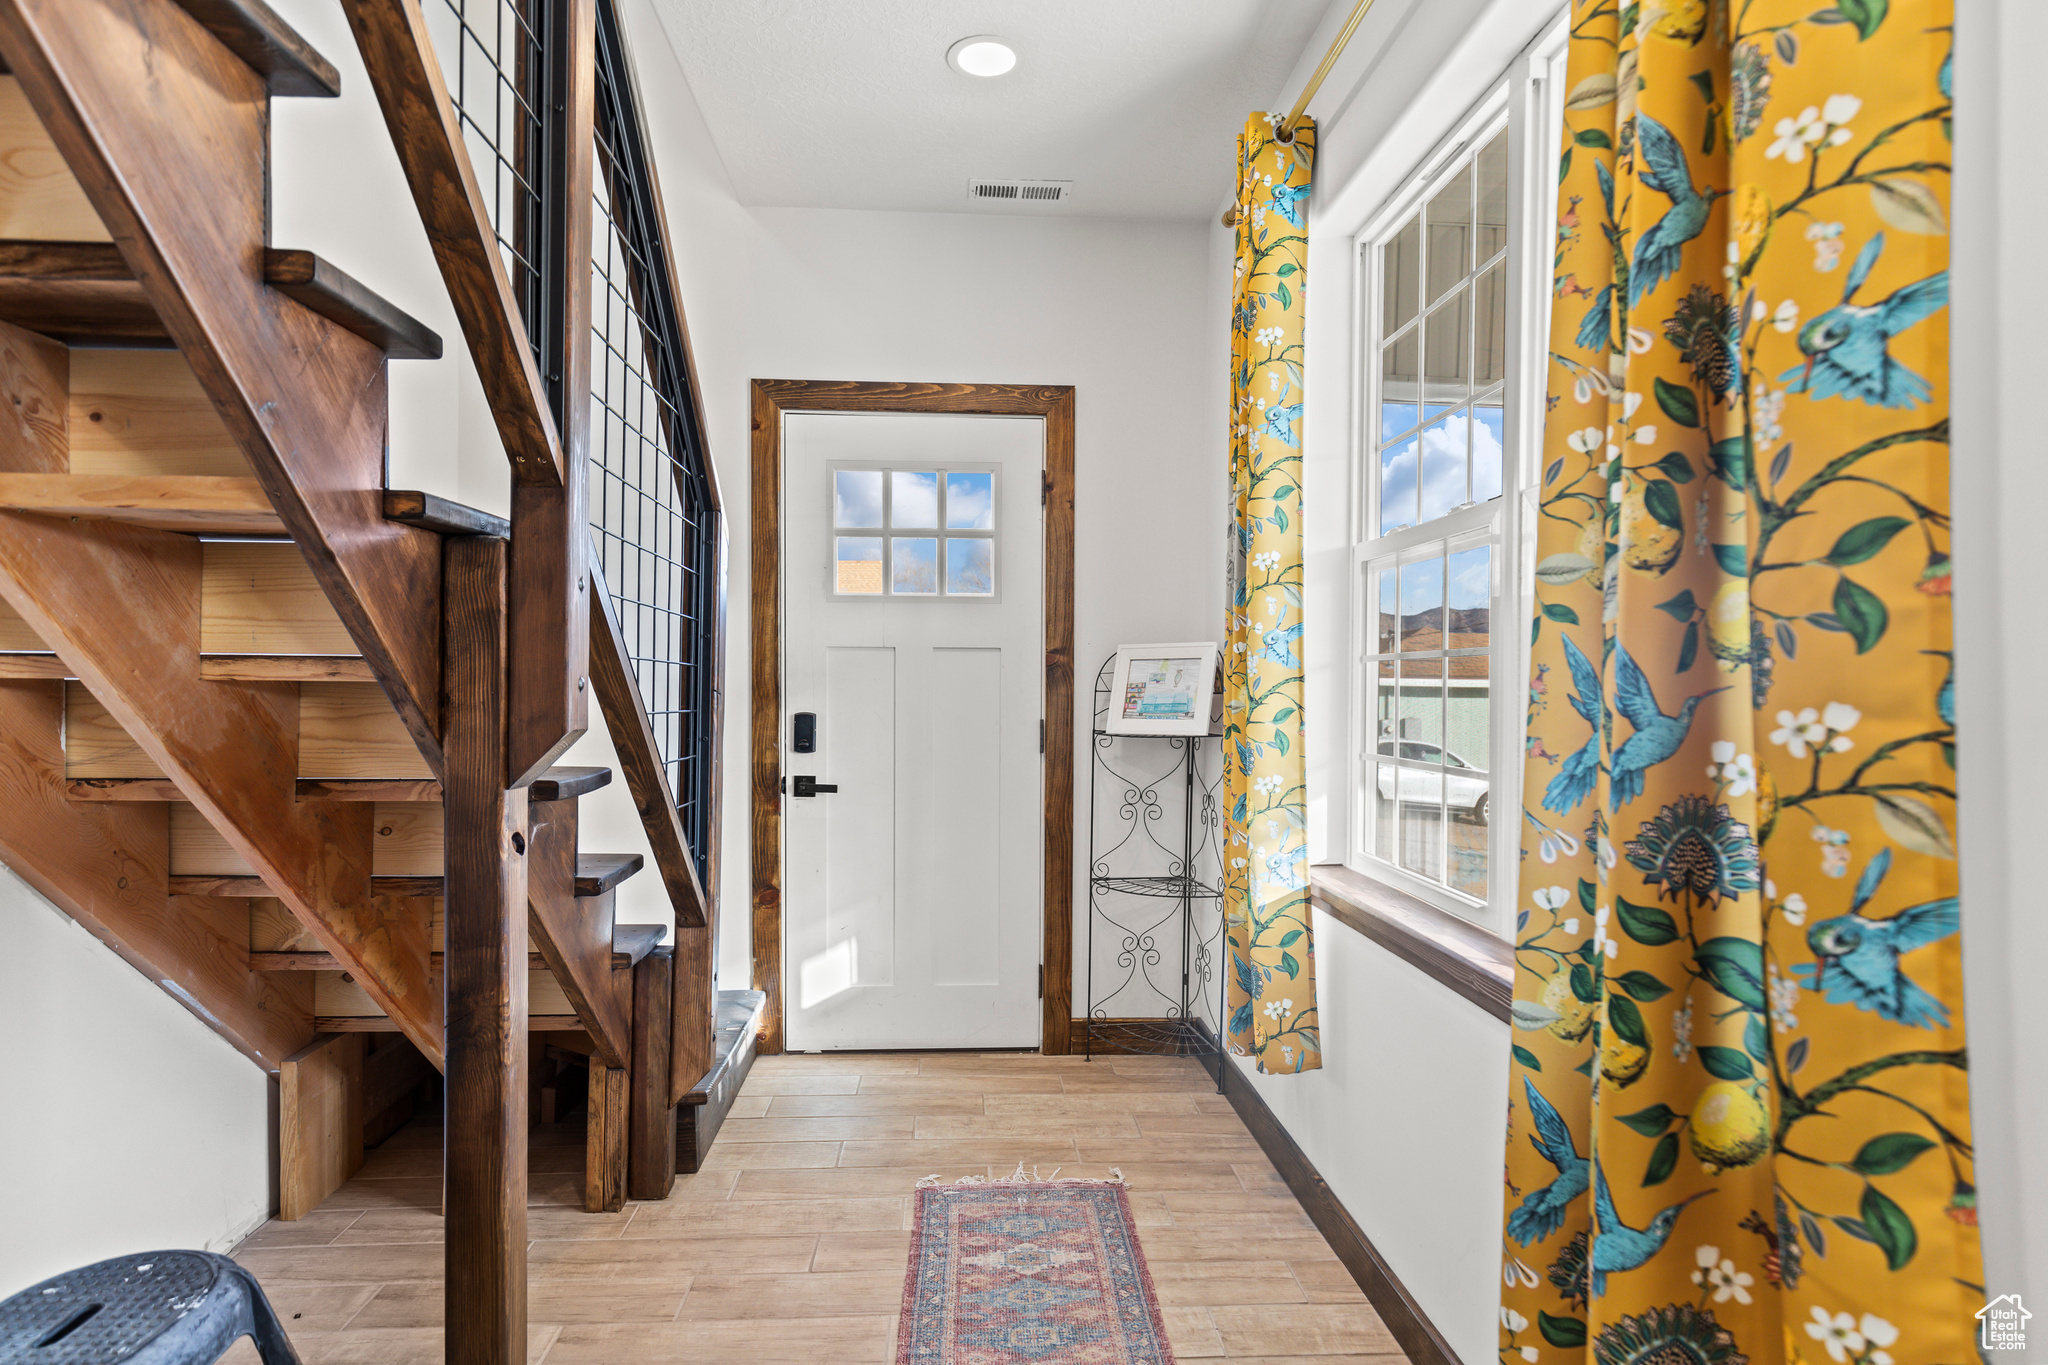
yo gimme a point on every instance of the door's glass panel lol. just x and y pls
(857, 497)
(1443, 465)
(1486, 451)
(970, 566)
(916, 563)
(970, 502)
(1400, 275)
(1422, 604)
(1450, 233)
(1491, 236)
(1397, 486)
(857, 566)
(913, 499)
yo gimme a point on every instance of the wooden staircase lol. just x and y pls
(282, 737)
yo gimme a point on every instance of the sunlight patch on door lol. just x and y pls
(824, 975)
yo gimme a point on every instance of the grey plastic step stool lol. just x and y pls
(156, 1308)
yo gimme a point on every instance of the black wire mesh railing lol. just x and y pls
(654, 519)
(501, 59)
(653, 513)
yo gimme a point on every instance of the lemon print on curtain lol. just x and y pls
(1739, 1123)
(1272, 982)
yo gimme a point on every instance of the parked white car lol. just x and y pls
(1464, 796)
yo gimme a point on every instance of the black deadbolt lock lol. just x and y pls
(805, 741)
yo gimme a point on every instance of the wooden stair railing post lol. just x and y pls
(484, 971)
(550, 584)
(651, 1146)
(604, 1164)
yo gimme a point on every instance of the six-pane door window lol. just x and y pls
(914, 533)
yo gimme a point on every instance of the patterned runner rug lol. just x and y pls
(1028, 1272)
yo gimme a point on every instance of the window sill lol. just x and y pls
(1462, 956)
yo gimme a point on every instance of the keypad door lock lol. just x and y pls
(811, 786)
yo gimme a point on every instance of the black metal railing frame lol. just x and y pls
(653, 512)
(509, 83)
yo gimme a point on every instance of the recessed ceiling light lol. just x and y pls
(982, 55)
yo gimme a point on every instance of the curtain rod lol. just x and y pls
(1315, 83)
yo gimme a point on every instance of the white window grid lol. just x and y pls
(888, 533)
(1524, 105)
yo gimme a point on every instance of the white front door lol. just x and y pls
(913, 641)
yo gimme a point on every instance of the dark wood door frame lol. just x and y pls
(1054, 403)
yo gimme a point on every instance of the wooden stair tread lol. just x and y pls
(597, 873)
(559, 784)
(309, 789)
(565, 784)
(84, 294)
(346, 302)
(739, 1014)
(381, 1023)
(431, 513)
(208, 884)
(79, 293)
(190, 503)
(270, 47)
(631, 942)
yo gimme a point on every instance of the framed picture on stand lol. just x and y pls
(1161, 689)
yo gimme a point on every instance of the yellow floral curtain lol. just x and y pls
(1272, 965)
(1739, 1125)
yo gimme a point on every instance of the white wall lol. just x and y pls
(1405, 1118)
(1414, 1077)
(2000, 485)
(130, 1125)
(1115, 308)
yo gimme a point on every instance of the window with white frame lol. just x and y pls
(914, 532)
(1454, 279)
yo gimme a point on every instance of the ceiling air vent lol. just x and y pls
(1021, 191)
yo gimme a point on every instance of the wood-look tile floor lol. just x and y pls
(791, 1245)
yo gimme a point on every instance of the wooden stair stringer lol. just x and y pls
(106, 866)
(574, 934)
(165, 130)
(120, 606)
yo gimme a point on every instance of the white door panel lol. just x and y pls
(912, 893)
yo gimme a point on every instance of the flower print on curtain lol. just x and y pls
(1738, 1121)
(1272, 983)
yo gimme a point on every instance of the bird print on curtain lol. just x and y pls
(1738, 1113)
(1271, 949)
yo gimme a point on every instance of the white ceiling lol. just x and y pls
(850, 103)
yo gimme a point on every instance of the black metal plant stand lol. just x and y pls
(1143, 889)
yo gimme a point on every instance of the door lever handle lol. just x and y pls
(811, 786)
